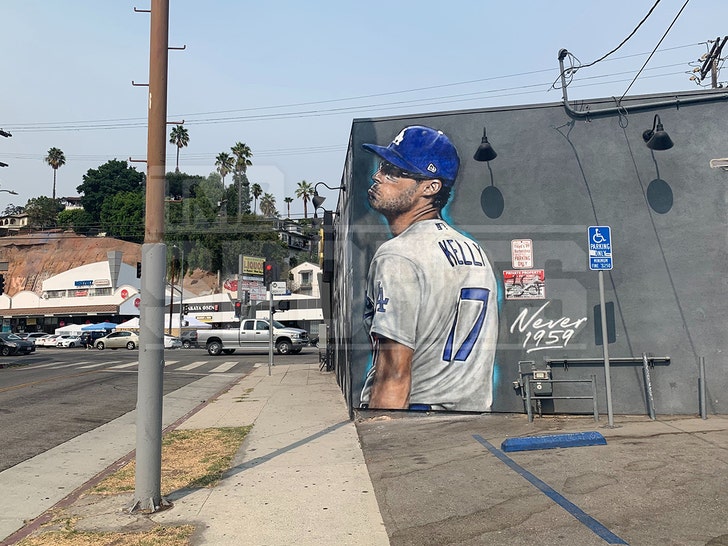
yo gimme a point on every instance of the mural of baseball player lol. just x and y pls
(430, 309)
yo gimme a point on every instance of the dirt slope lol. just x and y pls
(36, 257)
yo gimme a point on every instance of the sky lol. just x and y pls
(287, 78)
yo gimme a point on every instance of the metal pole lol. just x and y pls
(529, 409)
(701, 385)
(171, 298)
(240, 281)
(270, 329)
(605, 349)
(181, 289)
(648, 386)
(148, 477)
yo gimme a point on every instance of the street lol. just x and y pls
(53, 395)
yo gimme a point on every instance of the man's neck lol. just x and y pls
(401, 222)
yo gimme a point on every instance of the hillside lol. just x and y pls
(36, 257)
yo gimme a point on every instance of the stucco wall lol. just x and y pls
(553, 177)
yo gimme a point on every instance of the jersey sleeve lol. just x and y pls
(394, 288)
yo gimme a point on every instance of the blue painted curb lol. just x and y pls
(575, 439)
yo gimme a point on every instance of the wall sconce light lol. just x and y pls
(657, 138)
(317, 199)
(485, 151)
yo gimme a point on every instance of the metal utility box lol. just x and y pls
(541, 384)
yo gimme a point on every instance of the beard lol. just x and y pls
(392, 205)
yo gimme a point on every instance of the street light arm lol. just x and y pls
(318, 200)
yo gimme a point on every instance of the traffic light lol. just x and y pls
(2, 284)
(268, 273)
(186, 309)
(238, 308)
(139, 270)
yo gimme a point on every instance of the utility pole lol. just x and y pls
(710, 63)
(148, 478)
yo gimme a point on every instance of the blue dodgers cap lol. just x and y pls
(421, 150)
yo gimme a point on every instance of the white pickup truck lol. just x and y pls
(253, 334)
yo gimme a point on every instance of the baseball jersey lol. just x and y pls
(432, 289)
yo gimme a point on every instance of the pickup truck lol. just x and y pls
(253, 334)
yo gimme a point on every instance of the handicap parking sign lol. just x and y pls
(600, 247)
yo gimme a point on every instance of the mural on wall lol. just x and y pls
(431, 295)
(536, 301)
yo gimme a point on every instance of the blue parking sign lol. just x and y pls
(600, 247)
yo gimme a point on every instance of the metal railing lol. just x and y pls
(539, 398)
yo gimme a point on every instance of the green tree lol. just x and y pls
(268, 205)
(257, 191)
(112, 177)
(78, 220)
(288, 201)
(42, 212)
(304, 193)
(122, 216)
(180, 138)
(225, 164)
(12, 209)
(55, 159)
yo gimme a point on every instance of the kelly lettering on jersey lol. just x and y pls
(462, 252)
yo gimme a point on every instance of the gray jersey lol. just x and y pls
(433, 289)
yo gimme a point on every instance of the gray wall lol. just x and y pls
(554, 177)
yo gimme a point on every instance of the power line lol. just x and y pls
(141, 123)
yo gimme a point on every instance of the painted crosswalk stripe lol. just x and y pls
(122, 366)
(223, 367)
(192, 366)
(170, 362)
(98, 365)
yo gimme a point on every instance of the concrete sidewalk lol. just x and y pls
(300, 476)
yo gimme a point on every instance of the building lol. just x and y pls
(558, 171)
(97, 292)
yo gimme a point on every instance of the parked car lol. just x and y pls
(34, 336)
(69, 341)
(189, 339)
(12, 344)
(46, 341)
(171, 342)
(116, 340)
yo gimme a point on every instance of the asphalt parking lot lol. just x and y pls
(442, 479)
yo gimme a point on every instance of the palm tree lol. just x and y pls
(257, 191)
(242, 153)
(268, 205)
(225, 164)
(304, 192)
(288, 201)
(55, 159)
(180, 138)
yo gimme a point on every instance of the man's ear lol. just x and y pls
(433, 187)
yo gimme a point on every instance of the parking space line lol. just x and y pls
(592, 524)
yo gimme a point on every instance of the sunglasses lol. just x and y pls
(392, 171)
